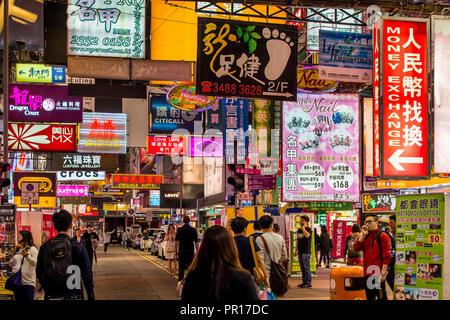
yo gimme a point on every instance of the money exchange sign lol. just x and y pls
(320, 144)
(404, 97)
(107, 28)
(236, 58)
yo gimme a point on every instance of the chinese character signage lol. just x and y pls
(43, 103)
(206, 147)
(169, 146)
(29, 72)
(266, 182)
(375, 202)
(72, 191)
(106, 28)
(339, 238)
(166, 118)
(47, 188)
(182, 96)
(41, 137)
(263, 122)
(404, 97)
(74, 161)
(236, 58)
(103, 133)
(345, 56)
(81, 175)
(214, 117)
(47, 226)
(419, 265)
(155, 198)
(376, 99)
(235, 115)
(321, 150)
(368, 136)
(441, 27)
(136, 181)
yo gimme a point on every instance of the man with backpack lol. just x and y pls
(62, 261)
(376, 246)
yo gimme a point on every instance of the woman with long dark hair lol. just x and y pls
(216, 273)
(170, 250)
(25, 257)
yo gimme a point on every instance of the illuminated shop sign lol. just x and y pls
(183, 97)
(159, 145)
(29, 72)
(81, 175)
(136, 181)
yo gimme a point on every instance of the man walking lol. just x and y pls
(304, 251)
(107, 239)
(60, 259)
(89, 237)
(185, 240)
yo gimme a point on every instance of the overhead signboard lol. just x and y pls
(182, 96)
(47, 188)
(81, 175)
(115, 206)
(345, 56)
(43, 103)
(30, 72)
(72, 190)
(206, 147)
(320, 143)
(108, 194)
(256, 60)
(103, 133)
(106, 28)
(235, 125)
(74, 161)
(41, 137)
(136, 181)
(404, 97)
(378, 202)
(166, 118)
(163, 145)
(441, 67)
(308, 81)
(376, 99)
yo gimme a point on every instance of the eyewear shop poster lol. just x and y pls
(419, 269)
(321, 148)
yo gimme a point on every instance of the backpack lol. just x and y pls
(57, 258)
(279, 279)
(350, 249)
(392, 246)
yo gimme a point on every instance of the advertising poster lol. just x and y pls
(7, 244)
(339, 237)
(47, 188)
(345, 56)
(379, 202)
(235, 115)
(441, 28)
(320, 148)
(214, 180)
(404, 98)
(166, 118)
(47, 227)
(293, 259)
(106, 28)
(43, 103)
(420, 251)
(245, 59)
(147, 162)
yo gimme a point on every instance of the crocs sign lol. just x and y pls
(183, 97)
(308, 81)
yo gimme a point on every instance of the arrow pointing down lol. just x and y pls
(396, 160)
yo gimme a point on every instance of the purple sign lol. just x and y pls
(248, 171)
(43, 103)
(206, 147)
(265, 182)
(72, 191)
(321, 148)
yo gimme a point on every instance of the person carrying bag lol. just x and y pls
(258, 273)
(279, 281)
(15, 281)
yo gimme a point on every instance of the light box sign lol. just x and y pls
(47, 188)
(404, 97)
(29, 72)
(106, 28)
(43, 103)
(155, 198)
(136, 181)
(376, 99)
(378, 202)
(81, 175)
(41, 137)
(103, 133)
(73, 161)
(206, 147)
(169, 146)
(72, 191)
(182, 96)
(320, 143)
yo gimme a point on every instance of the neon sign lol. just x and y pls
(183, 97)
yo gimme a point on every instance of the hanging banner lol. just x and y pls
(47, 188)
(30, 72)
(376, 202)
(106, 28)
(376, 99)
(345, 56)
(43, 103)
(441, 67)
(368, 136)
(419, 266)
(320, 158)
(41, 137)
(404, 97)
(214, 117)
(255, 60)
(339, 238)
(235, 115)
(103, 133)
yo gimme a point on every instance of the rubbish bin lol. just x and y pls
(347, 283)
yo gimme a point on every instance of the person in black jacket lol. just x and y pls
(62, 221)
(88, 238)
(216, 274)
(325, 246)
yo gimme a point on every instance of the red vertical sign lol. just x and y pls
(376, 99)
(339, 237)
(404, 97)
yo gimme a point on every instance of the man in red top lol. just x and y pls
(374, 257)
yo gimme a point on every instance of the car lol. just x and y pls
(161, 250)
(155, 243)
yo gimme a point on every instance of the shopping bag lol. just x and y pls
(270, 295)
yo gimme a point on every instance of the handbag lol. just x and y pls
(170, 246)
(258, 273)
(15, 281)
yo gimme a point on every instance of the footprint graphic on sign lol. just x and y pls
(279, 50)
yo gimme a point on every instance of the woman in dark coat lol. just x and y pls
(325, 245)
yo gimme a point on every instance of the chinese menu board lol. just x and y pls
(404, 97)
(320, 148)
(7, 244)
(379, 202)
(107, 28)
(246, 59)
(136, 181)
(419, 257)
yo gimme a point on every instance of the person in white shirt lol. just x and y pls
(25, 257)
(107, 240)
